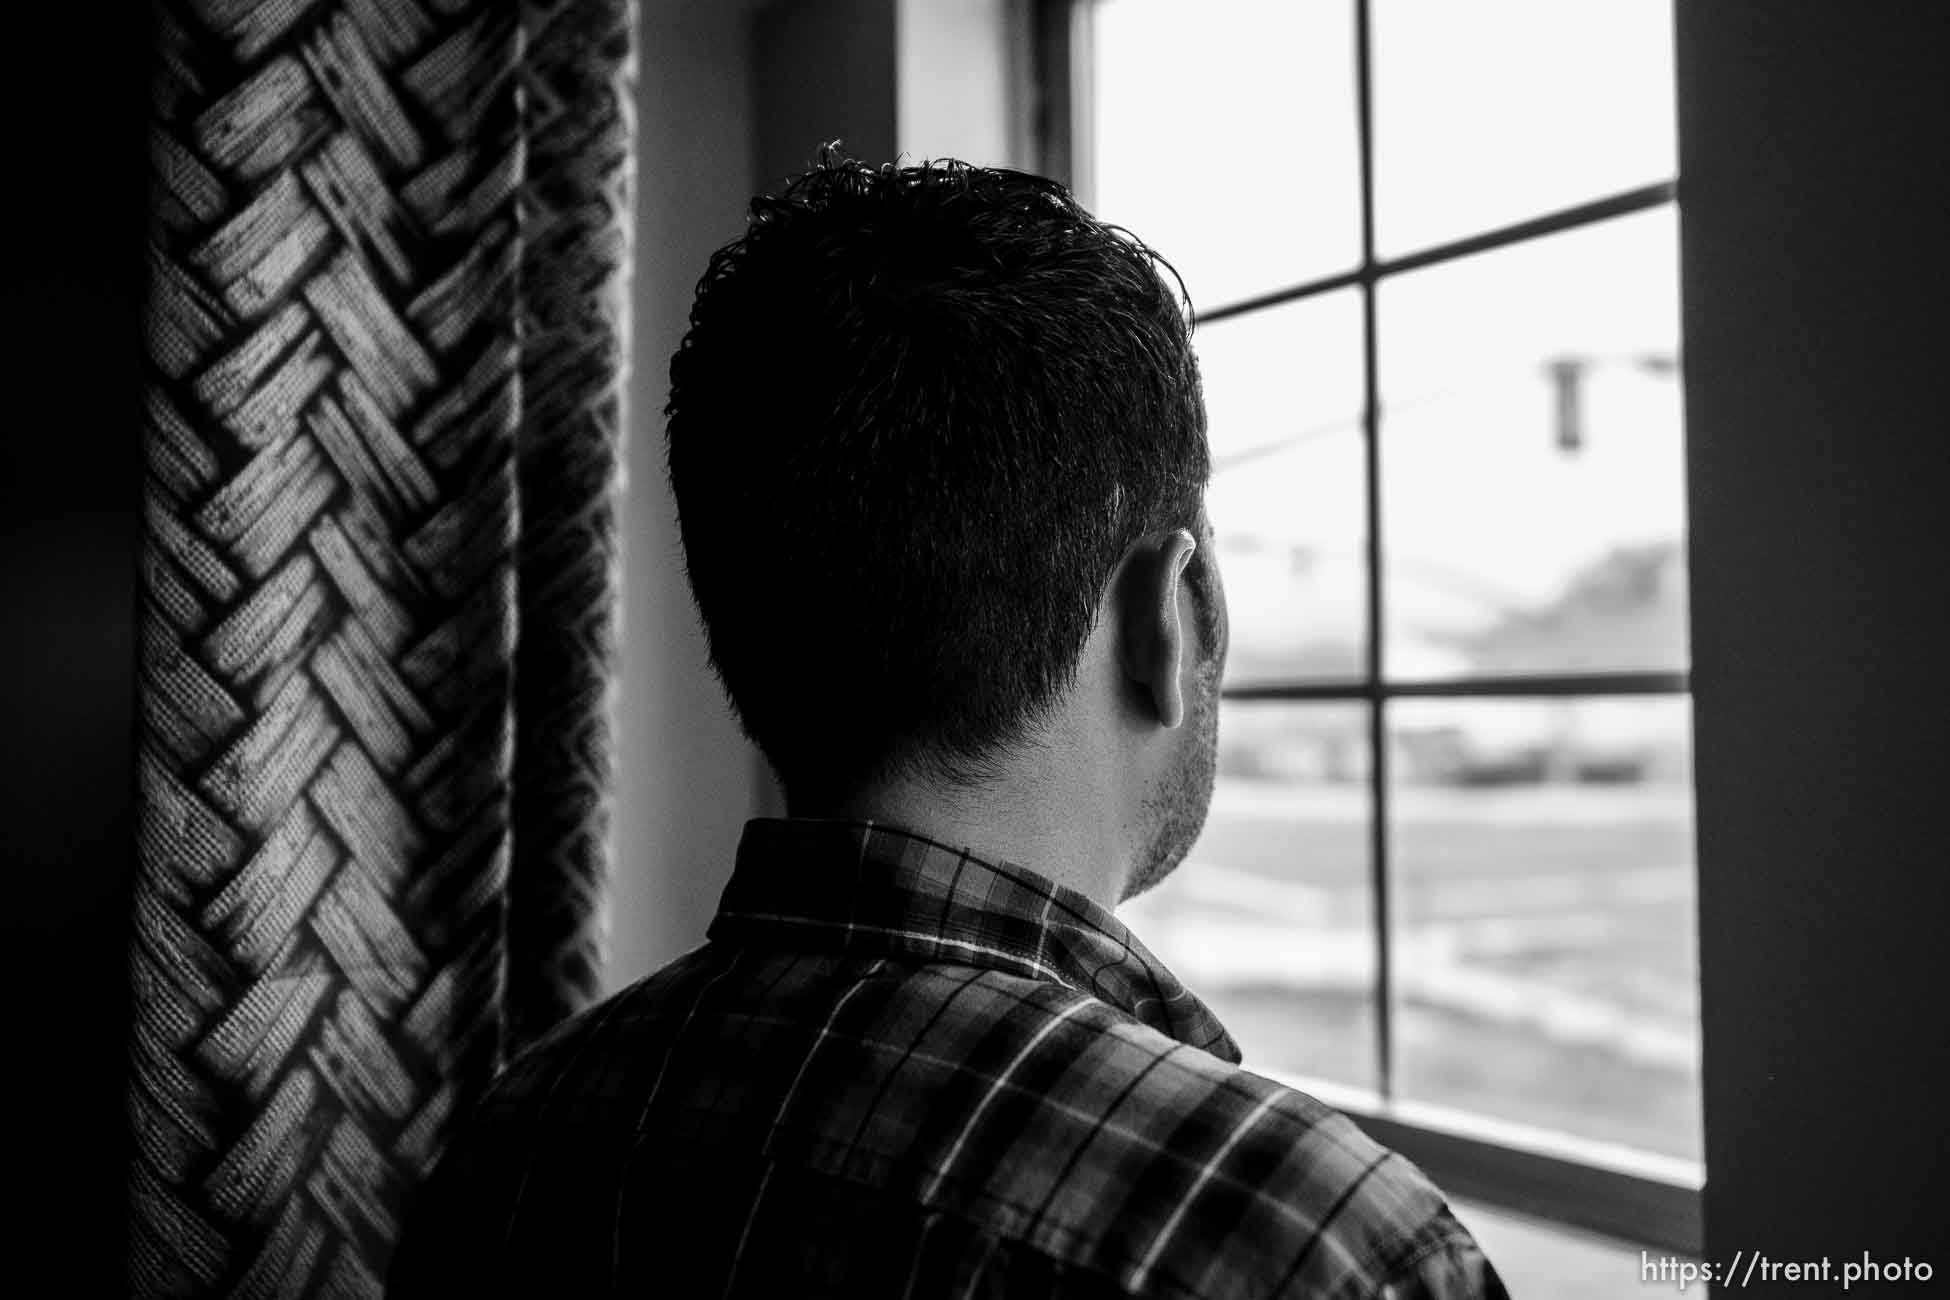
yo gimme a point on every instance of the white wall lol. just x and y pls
(955, 70)
(686, 778)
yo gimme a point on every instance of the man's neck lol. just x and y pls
(1055, 817)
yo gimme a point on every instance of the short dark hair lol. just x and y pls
(920, 415)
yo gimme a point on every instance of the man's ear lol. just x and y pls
(1153, 642)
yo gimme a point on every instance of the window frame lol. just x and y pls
(1634, 1196)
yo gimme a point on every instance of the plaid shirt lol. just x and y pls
(899, 1070)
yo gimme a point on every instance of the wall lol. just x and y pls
(1817, 275)
(686, 778)
(912, 79)
(826, 70)
(956, 73)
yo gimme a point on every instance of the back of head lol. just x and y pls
(919, 416)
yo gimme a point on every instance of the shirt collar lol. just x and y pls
(869, 889)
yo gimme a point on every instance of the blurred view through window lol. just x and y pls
(1432, 248)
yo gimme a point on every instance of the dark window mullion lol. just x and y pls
(1281, 297)
(1378, 864)
(1551, 223)
(1510, 687)
(1624, 203)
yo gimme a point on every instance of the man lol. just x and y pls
(938, 449)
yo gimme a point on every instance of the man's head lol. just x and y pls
(922, 420)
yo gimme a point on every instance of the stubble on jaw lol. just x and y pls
(1177, 809)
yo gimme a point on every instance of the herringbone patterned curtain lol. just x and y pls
(386, 340)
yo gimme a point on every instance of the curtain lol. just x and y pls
(386, 336)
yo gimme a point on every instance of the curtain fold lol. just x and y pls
(385, 337)
(577, 72)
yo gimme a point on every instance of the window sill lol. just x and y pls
(1632, 1196)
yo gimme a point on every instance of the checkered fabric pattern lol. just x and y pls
(899, 1070)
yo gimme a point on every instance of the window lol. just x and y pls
(1448, 879)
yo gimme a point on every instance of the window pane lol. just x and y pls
(1496, 111)
(1533, 478)
(1271, 919)
(1287, 501)
(1223, 135)
(1543, 900)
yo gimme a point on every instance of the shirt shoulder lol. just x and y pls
(1061, 1124)
(1183, 1174)
(992, 1107)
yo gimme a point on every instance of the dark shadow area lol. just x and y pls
(71, 295)
(1817, 271)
